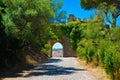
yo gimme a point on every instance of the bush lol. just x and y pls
(112, 62)
(90, 53)
(81, 52)
(101, 51)
(46, 49)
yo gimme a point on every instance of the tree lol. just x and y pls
(2, 33)
(111, 6)
(27, 20)
(71, 18)
(22, 23)
(60, 15)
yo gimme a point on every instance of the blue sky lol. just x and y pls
(73, 7)
(57, 46)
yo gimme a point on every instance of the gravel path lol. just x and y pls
(58, 69)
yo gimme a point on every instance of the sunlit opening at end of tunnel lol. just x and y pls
(57, 50)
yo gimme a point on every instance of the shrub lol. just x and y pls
(112, 62)
(46, 49)
(81, 52)
(90, 53)
(101, 51)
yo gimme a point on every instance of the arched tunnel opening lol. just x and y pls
(57, 50)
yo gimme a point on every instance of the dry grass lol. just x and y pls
(30, 60)
(98, 72)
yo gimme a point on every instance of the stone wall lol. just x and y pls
(68, 51)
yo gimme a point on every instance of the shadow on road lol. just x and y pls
(54, 60)
(16, 72)
(52, 70)
(10, 75)
(49, 68)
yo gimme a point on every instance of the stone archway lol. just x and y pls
(67, 50)
(52, 42)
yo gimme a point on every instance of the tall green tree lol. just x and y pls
(22, 23)
(110, 6)
(60, 16)
(27, 20)
(2, 33)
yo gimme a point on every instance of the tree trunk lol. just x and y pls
(114, 20)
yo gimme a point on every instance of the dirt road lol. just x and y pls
(57, 69)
